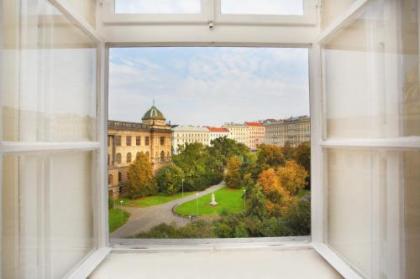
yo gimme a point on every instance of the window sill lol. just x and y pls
(215, 259)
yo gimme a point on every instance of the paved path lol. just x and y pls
(143, 219)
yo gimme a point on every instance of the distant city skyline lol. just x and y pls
(208, 86)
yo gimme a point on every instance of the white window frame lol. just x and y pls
(106, 24)
(211, 12)
(319, 173)
(100, 194)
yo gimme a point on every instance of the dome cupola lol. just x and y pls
(153, 114)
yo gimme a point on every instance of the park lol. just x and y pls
(224, 190)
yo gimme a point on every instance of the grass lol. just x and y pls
(152, 200)
(229, 201)
(117, 218)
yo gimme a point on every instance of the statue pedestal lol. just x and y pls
(213, 200)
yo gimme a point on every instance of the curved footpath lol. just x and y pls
(143, 219)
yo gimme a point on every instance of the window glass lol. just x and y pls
(366, 97)
(263, 7)
(47, 221)
(374, 209)
(157, 6)
(47, 76)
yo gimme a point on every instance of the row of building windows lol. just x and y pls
(128, 140)
(129, 159)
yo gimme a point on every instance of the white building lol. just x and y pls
(189, 134)
(217, 132)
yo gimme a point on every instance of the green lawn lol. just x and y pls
(117, 218)
(152, 200)
(229, 201)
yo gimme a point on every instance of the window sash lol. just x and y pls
(99, 194)
(211, 12)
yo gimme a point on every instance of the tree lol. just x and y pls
(233, 172)
(140, 177)
(169, 179)
(191, 158)
(298, 219)
(269, 156)
(224, 148)
(292, 177)
(277, 198)
(302, 156)
(287, 151)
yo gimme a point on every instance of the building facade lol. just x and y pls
(217, 132)
(295, 130)
(256, 134)
(238, 132)
(182, 135)
(126, 140)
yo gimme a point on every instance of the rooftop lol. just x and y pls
(218, 129)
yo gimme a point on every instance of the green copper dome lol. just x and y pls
(153, 114)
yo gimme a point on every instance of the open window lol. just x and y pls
(364, 98)
(229, 131)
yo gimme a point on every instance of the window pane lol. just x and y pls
(157, 6)
(48, 76)
(263, 7)
(374, 211)
(372, 75)
(47, 221)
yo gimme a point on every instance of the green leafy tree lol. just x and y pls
(200, 169)
(288, 151)
(298, 219)
(223, 148)
(169, 179)
(140, 177)
(269, 156)
(302, 155)
(233, 172)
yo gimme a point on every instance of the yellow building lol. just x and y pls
(153, 137)
(256, 134)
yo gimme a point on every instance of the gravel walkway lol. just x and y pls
(143, 219)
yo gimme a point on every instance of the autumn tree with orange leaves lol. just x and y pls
(277, 198)
(292, 177)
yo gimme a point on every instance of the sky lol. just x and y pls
(193, 6)
(208, 85)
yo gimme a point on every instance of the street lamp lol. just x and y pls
(182, 187)
(196, 203)
(244, 198)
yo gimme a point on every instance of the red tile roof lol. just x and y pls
(256, 124)
(217, 129)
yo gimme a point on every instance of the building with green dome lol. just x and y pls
(126, 140)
